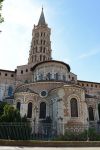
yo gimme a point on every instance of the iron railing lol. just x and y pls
(38, 131)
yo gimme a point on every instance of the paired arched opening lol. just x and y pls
(29, 111)
(74, 107)
(42, 110)
(91, 114)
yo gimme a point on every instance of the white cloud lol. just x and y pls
(90, 53)
(20, 12)
(15, 38)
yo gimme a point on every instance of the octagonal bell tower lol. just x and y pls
(40, 45)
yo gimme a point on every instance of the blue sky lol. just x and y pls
(75, 33)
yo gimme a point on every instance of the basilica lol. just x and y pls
(46, 88)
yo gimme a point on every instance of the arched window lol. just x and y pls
(41, 49)
(41, 41)
(44, 42)
(57, 76)
(36, 49)
(10, 91)
(74, 107)
(29, 112)
(49, 76)
(42, 110)
(41, 33)
(64, 78)
(44, 58)
(41, 77)
(35, 57)
(44, 50)
(18, 106)
(91, 115)
(99, 110)
(40, 57)
(32, 58)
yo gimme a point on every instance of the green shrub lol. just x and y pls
(93, 135)
(89, 134)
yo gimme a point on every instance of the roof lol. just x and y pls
(7, 71)
(42, 18)
(88, 82)
(25, 90)
(53, 61)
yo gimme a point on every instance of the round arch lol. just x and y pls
(29, 111)
(18, 105)
(42, 114)
(74, 96)
(74, 107)
(91, 113)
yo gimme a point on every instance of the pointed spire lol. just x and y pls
(42, 18)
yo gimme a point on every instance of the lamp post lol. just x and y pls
(53, 110)
(59, 117)
(56, 113)
(35, 114)
(87, 129)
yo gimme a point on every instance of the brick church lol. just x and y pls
(47, 88)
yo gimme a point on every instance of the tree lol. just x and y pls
(12, 125)
(1, 18)
(10, 114)
(2, 104)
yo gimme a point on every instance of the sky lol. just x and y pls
(75, 33)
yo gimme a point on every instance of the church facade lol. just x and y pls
(47, 88)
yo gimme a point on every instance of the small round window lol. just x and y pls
(43, 93)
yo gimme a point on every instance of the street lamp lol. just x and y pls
(55, 112)
(88, 129)
(35, 114)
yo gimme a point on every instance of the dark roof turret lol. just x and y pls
(42, 18)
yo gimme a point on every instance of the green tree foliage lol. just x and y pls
(1, 18)
(10, 114)
(91, 134)
(12, 125)
(2, 104)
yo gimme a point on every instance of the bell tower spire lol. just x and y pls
(42, 18)
(41, 45)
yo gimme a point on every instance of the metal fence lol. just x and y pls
(44, 131)
(25, 131)
(15, 131)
